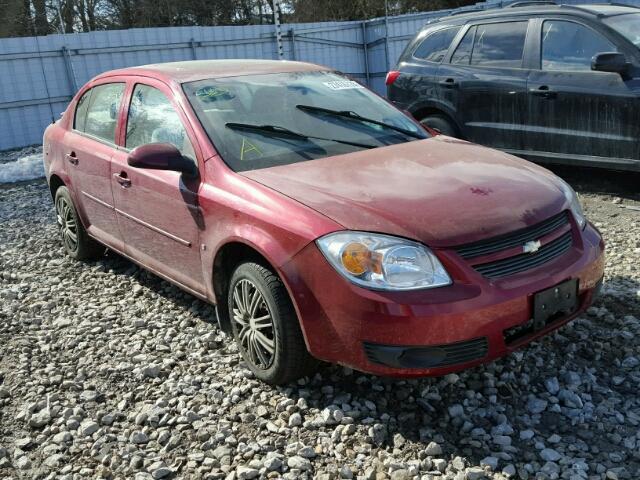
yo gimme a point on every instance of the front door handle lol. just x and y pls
(71, 158)
(448, 83)
(122, 179)
(543, 91)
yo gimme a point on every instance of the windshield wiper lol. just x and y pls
(277, 130)
(355, 116)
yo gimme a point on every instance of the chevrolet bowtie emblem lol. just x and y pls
(531, 246)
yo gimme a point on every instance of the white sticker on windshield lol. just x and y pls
(342, 85)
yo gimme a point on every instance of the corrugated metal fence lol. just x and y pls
(39, 75)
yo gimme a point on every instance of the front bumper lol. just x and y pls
(436, 331)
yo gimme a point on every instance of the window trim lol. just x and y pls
(441, 28)
(526, 56)
(90, 88)
(541, 22)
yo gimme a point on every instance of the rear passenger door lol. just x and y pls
(485, 81)
(418, 87)
(90, 146)
(576, 113)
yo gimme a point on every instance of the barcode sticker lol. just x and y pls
(343, 85)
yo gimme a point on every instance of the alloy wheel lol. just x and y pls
(254, 324)
(67, 223)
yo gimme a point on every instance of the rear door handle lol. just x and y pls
(544, 92)
(122, 179)
(71, 157)
(448, 83)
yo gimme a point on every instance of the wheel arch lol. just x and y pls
(424, 109)
(227, 258)
(55, 182)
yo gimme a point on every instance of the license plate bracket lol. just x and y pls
(549, 303)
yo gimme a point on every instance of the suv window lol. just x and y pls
(435, 46)
(97, 111)
(499, 44)
(462, 55)
(571, 46)
(152, 119)
(494, 45)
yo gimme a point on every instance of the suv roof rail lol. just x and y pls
(529, 3)
(617, 4)
(468, 10)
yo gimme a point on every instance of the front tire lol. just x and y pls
(77, 243)
(265, 326)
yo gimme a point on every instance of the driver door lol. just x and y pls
(577, 113)
(158, 210)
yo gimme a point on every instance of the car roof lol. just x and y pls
(524, 8)
(189, 71)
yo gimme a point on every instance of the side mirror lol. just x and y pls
(612, 62)
(161, 156)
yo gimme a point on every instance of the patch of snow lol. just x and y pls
(26, 167)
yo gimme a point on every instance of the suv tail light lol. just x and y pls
(392, 76)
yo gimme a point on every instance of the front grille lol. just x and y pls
(427, 356)
(526, 261)
(510, 240)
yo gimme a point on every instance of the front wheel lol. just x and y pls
(265, 326)
(77, 243)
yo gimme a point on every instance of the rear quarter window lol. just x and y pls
(435, 46)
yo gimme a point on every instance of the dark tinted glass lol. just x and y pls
(569, 46)
(462, 55)
(499, 44)
(435, 46)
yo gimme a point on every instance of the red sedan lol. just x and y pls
(321, 221)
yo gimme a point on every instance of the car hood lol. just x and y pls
(440, 191)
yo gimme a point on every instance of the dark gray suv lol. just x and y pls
(547, 82)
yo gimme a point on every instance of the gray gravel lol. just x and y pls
(108, 372)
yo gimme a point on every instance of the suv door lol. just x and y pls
(90, 145)
(577, 114)
(158, 210)
(485, 82)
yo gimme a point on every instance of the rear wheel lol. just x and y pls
(77, 243)
(441, 124)
(265, 326)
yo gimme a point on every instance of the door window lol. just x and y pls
(97, 111)
(152, 119)
(499, 44)
(571, 46)
(462, 55)
(435, 46)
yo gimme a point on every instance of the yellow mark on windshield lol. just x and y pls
(247, 147)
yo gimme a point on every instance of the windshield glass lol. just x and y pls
(260, 121)
(627, 25)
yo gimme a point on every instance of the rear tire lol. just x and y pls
(441, 124)
(77, 243)
(265, 326)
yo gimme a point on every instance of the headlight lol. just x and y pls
(382, 262)
(574, 204)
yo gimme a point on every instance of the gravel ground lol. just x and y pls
(107, 371)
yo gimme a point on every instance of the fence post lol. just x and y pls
(70, 73)
(192, 44)
(276, 22)
(365, 50)
(386, 36)
(292, 35)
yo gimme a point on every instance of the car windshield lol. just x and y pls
(260, 121)
(627, 25)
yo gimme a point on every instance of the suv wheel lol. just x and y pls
(77, 243)
(265, 326)
(440, 124)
